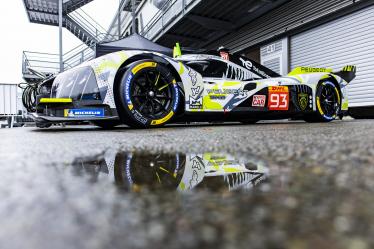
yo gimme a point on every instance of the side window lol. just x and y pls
(209, 68)
(215, 69)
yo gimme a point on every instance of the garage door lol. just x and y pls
(347, 40)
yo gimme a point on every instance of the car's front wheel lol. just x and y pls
(149, 95)
(328, 101)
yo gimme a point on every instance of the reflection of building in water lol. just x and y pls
(174, 171)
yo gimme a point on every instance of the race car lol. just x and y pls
(144, 89)
(133, 171)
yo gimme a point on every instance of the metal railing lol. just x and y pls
(43, 62)
(49, 63)
(165, 16)
(72, 6)
(88, 24)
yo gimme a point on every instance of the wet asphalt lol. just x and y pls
(70, 187)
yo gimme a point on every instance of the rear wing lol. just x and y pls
(348, 73)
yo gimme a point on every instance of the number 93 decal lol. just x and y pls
(278, 98)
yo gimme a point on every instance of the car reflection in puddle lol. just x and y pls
(136, 171)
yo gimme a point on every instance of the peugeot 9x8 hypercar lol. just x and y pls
(145, 89)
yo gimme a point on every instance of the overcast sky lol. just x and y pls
(18, 34)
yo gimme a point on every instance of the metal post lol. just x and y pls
(11, 122)
(60, 34)
(119, 19)
(133, 16)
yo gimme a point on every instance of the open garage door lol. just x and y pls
(347, 40)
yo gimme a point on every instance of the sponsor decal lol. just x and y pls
(303, 99)
(249, 65)
(314, 70)
(196, 104)
(127, 89)
(217, 97)
(163, 120)
(193, 76)
(143, 65)
(225, 55)
(196, 164)
(176, 97)
(139, 117)
(195, 91)
(259, 100)
(227, 92)
(77, 113)
(279, 98)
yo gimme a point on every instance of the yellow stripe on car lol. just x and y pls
(319, 106)
(163, 87)
(181, 68)
(55, 100)
(337, 92)
(143, 65)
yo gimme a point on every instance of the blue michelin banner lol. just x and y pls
(78, 113)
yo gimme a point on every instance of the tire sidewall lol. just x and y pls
(134, 117)
(319, 111)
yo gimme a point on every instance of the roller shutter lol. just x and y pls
(288, 17)
(347, 40)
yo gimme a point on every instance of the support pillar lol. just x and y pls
(60, 10)
(133, 16)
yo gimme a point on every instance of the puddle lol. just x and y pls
(137, 171)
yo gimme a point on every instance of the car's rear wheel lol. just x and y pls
(328, 101)
(149, 95)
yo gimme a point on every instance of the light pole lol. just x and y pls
(60, 34)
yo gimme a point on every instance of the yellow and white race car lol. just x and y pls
(145, 89)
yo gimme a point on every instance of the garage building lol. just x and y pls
(318, 34)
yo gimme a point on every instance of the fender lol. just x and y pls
(107, 67)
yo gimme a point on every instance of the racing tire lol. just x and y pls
(328, 101)
(148, 94)
(105, 124)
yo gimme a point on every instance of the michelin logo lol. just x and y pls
(76, 113)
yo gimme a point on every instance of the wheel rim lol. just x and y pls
(329, 100)
(151, 93)
(157, 170)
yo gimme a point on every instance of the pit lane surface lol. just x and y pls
(319, 192)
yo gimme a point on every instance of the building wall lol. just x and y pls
(348, 40)
(9, 101)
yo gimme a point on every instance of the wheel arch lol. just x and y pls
(329, 77)
(146, 56)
